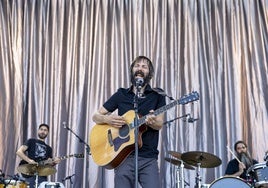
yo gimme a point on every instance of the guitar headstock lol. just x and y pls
(191, 97)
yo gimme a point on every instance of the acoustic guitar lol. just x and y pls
(110, 146)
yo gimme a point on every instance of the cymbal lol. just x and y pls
(177, 162)
(205, 159)
(40, 170)
(175, 154)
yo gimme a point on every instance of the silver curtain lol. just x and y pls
(60, 60)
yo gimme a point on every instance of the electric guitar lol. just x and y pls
(110, 146)
(43, 168)
(51, 161)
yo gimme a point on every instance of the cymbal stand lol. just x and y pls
(180, 175)
(36, 180)
(198, 177)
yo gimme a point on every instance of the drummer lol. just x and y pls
(239, 168)
(34, 151)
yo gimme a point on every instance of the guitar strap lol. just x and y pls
(161, 92)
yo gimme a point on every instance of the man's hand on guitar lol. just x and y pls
(56, 160)
(150, 118)
(32, 162)
(115, 120)
(153, 121)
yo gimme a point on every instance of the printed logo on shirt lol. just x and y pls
(40, 150)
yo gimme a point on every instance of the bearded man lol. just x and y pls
(141, 72)
(239, 168)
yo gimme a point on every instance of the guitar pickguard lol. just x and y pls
(119, 141)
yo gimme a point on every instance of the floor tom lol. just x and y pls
(229, 182)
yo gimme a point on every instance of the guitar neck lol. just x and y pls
(158, 111)
(65, 157)
(61, 158)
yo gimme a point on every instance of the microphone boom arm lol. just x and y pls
(80, 139)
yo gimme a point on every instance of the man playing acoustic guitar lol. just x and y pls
(123, 101)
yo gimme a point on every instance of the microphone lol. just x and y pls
(67, 178)
(64, 125)
(192, 120)
(139, 81)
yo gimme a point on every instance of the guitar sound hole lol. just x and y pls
(124, 131)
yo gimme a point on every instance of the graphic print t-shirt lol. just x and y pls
(37, 150)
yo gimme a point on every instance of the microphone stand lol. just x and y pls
(183, 116)
(69, 178)
(179, 171)
(80, 139)
(136, 130)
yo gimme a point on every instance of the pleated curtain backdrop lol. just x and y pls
(61, 59)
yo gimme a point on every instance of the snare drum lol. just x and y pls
(229, 182)
(14, 184)
(259, 174)
(47, 184)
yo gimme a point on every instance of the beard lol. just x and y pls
(145, 78)
(42, 136)
(246, 159)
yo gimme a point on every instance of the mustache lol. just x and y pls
(139, 72)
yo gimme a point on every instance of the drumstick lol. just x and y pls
(233, 154)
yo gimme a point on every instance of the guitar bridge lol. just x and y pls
(110, 138)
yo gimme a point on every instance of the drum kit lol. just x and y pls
(258, 173)
(14, 182)
(190, 160)
(40, 170)
(32, 170)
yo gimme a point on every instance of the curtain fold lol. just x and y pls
(60, 60)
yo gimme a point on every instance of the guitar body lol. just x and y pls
(110, 146)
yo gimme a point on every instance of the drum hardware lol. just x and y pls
(180, 181)
(201, 160)
(198, 176)
(180, 165)
(205, 159)
(175, 154)
(51, 185)
(10, 183)
(36, 170)
(259, 174)
(33, 169)
(229, 182)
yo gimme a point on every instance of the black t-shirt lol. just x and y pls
(123, 101)
(37, 150)
(233, 167)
